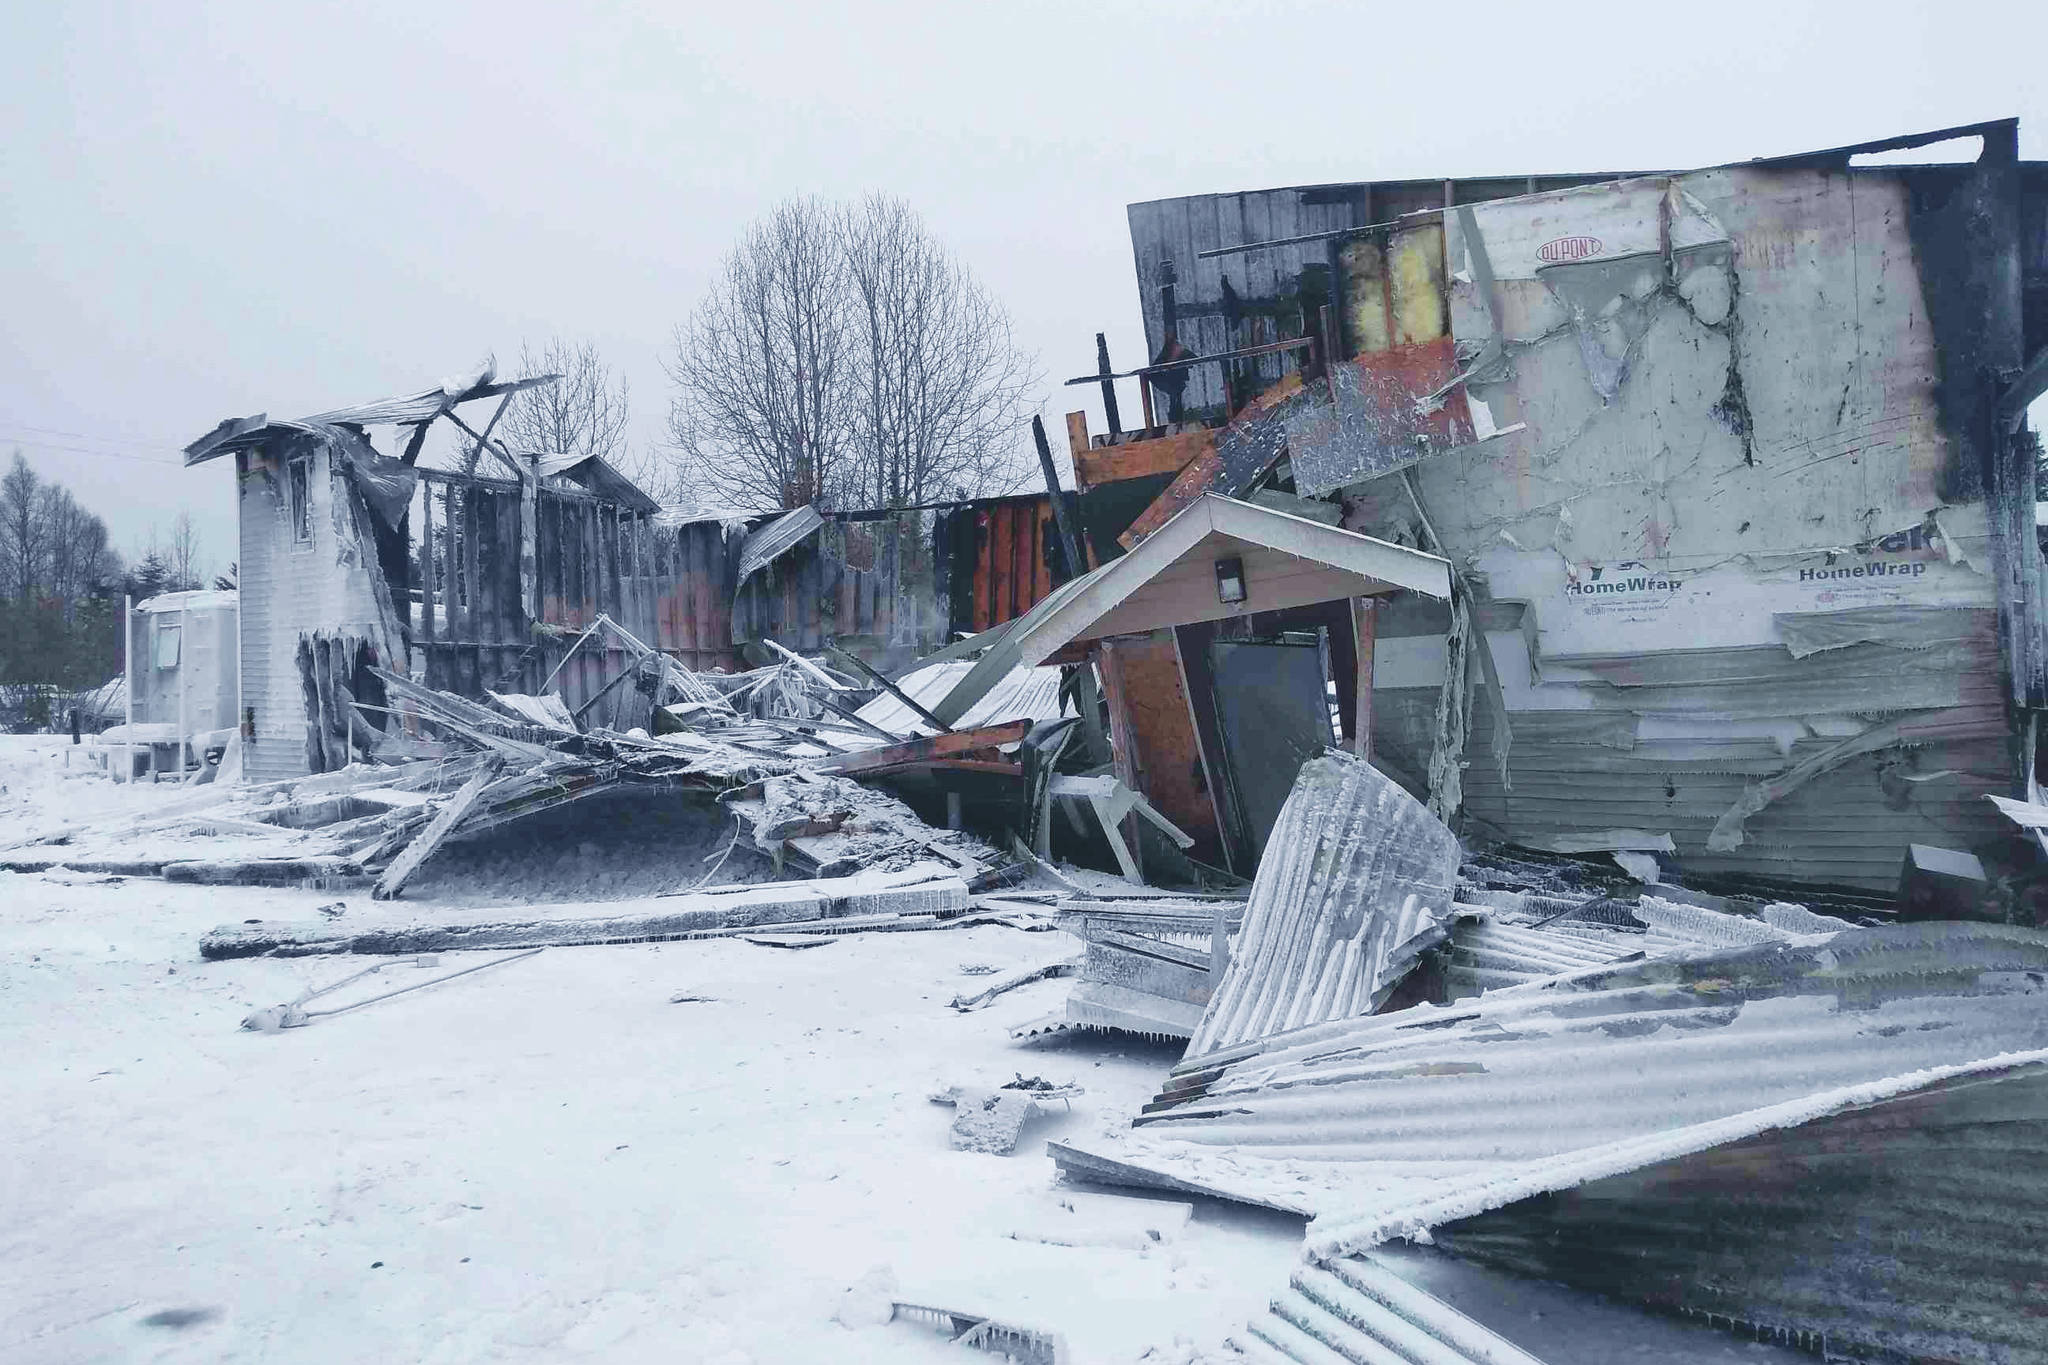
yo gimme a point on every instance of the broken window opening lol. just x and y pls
(299, 487)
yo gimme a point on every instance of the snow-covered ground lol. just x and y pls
(551, 1161)
(46, 782)
(544, 1161)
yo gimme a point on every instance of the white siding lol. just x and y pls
(290, 591)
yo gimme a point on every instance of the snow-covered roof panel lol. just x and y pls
(1026, 694)
(197, 600)
(767, 543)
(236, 433)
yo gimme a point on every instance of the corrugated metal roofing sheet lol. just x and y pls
(1356, 1310)
(429, 404)
(600, 477)
(1487, 954)
(1902, 1223)
(1374, 1114)
(1149, 968)
(1493, 951)
(1355, 886)
(674, 518)
(765, 544)
(237, 433)
(1026, 694)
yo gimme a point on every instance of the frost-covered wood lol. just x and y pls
(681, 916)
(444, 821)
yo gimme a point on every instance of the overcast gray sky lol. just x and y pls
(233, 208)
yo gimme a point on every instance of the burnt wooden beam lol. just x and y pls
(849, 714)
(484, 442)
(993, 766)
(1362, 635)
(473, 618)
(1116, 426)
(2031, 384)
(428, 567)
(1085, 697)
(1070, 544)
(443, 824)
(1145, 372)
(412, 447)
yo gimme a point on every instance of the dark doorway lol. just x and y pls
(1273, 706)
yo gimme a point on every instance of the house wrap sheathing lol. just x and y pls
(1716, 456)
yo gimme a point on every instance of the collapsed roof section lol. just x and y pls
(1629, 1118)
(415, 410)
(1776, 1121)
(598, 476)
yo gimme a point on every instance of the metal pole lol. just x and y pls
(184, 659)
(128, 661)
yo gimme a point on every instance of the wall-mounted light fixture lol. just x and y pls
(1230, 580)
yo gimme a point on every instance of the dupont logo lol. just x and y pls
(1559, 249)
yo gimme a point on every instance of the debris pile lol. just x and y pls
(451, 768)
(1605, 1083)
(1150, 965)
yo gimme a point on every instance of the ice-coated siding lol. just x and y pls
(290, 590)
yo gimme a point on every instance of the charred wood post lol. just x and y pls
(1070, 544)
(1088, 702)
(1116, 426)
(1362, 635)
(1175, 382)
(529, 538)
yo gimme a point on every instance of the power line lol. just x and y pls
(84, 435)
(34, 444)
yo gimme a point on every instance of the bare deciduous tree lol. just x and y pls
(760, 368)
(24, 538)
(586, 412)
(846, 355)
(81, 560)
(941, 390)
(183, 554)
(50, 547)
(54, 561)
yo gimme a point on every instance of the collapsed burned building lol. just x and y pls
(1729, 467)
(355, 558)
(1687, 517)
(1730, 463)
(360, 561)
